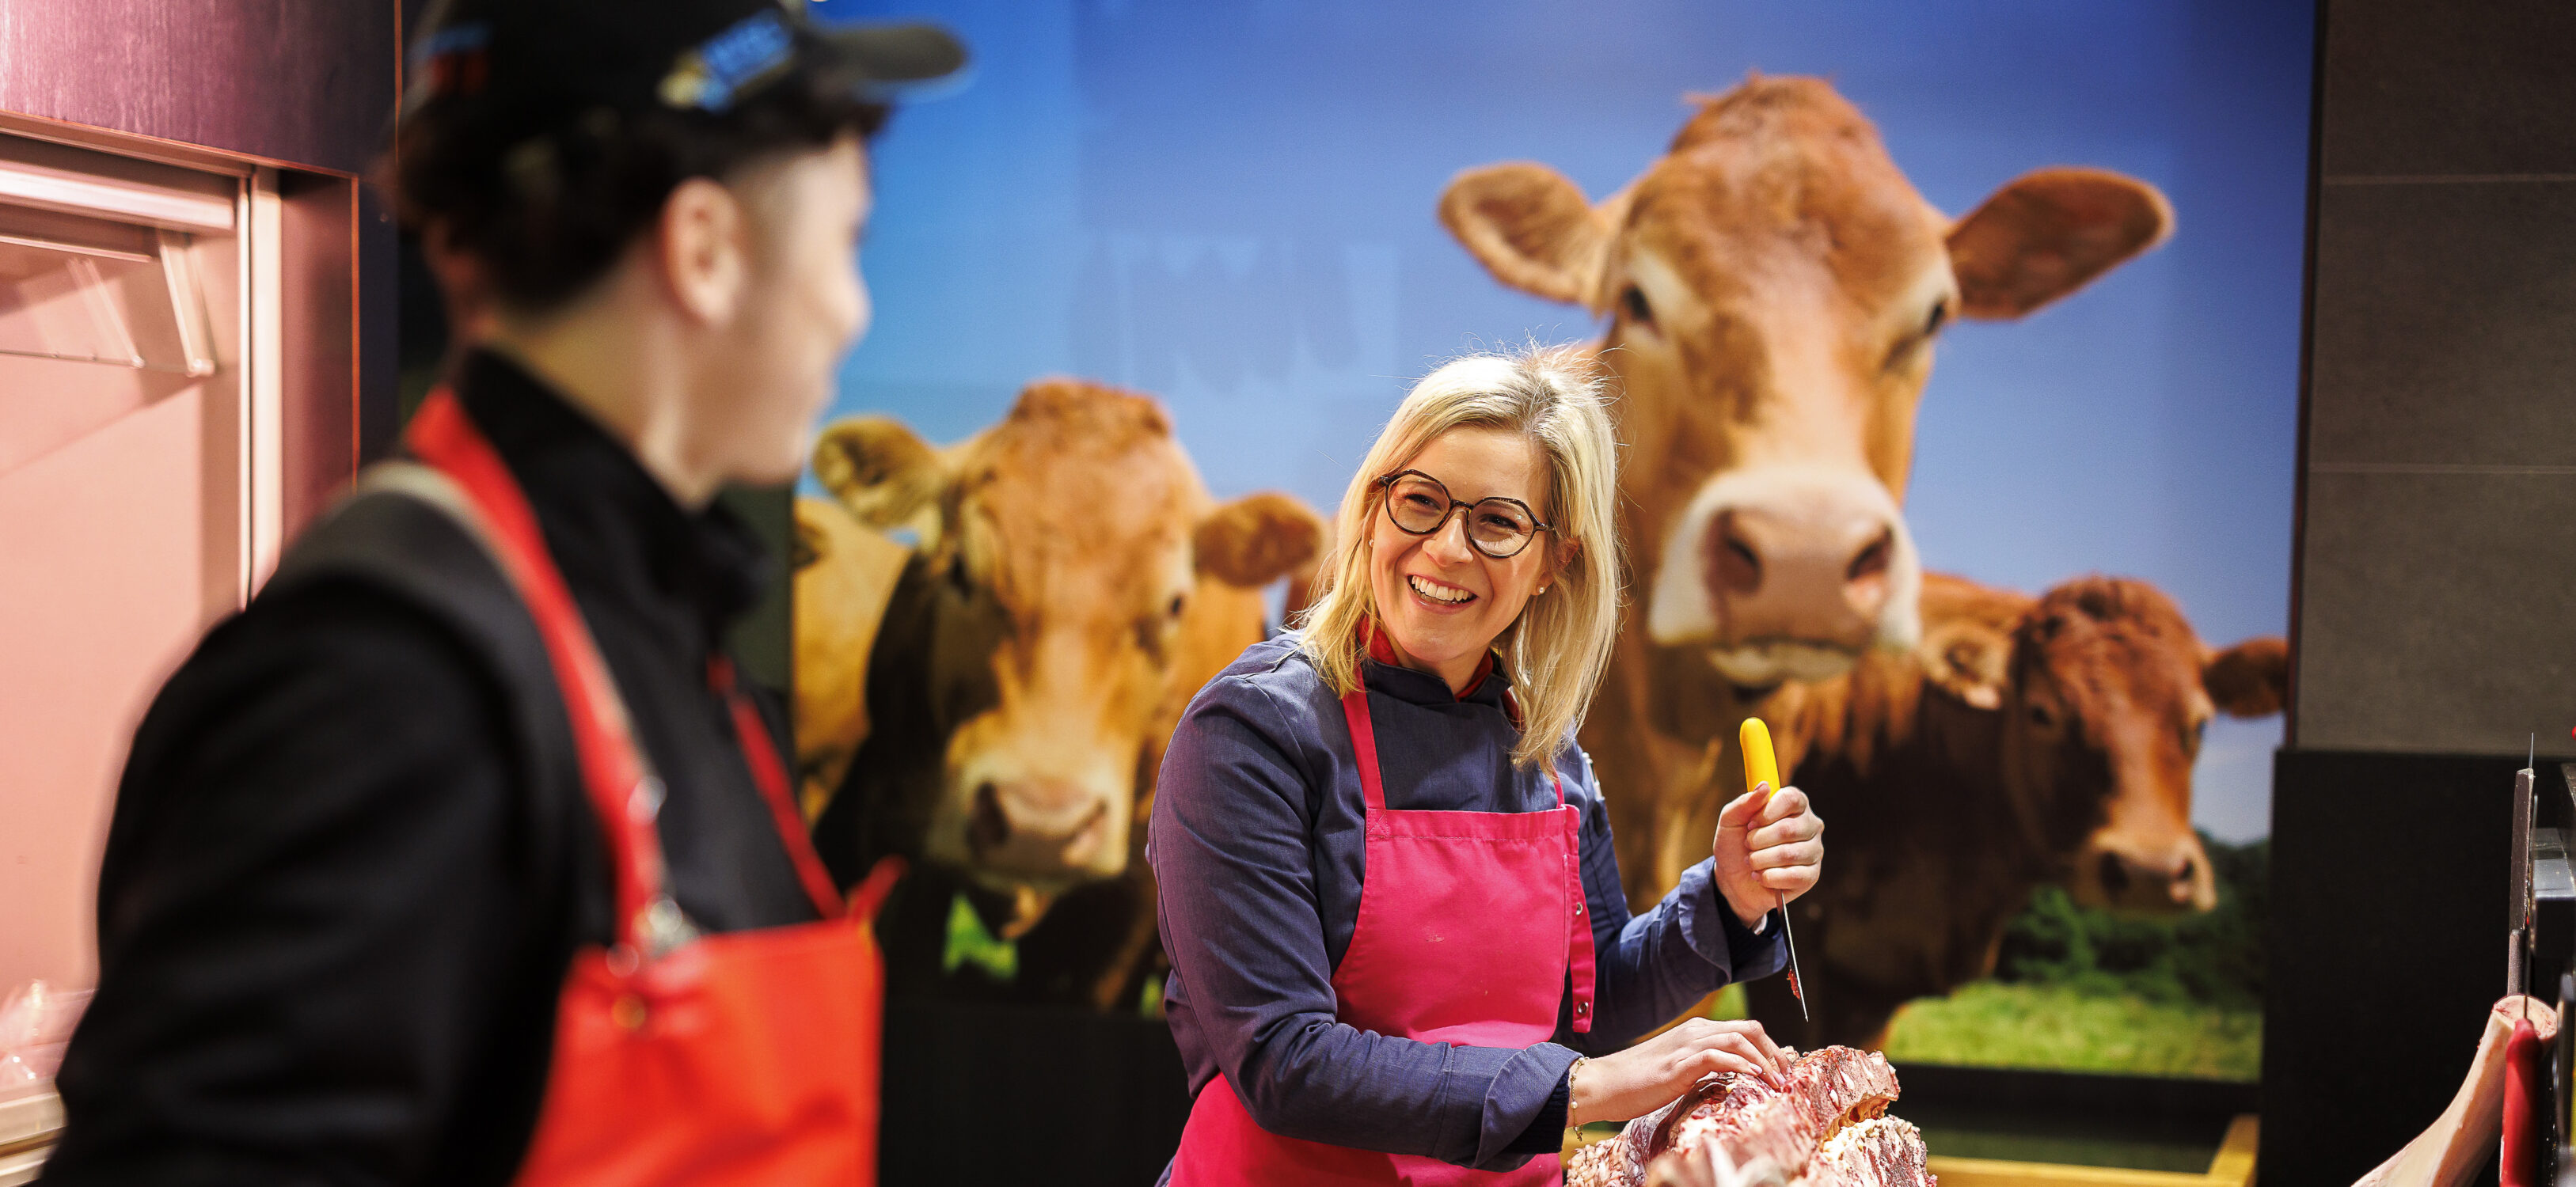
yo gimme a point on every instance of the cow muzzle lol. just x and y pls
(2162, 880)
(1040, 831)
(1785, 573)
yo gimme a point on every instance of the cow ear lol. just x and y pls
(883, 472)
(1258, 539)
(1968, 659)
(1531, 227)
(2048, 234)
(2251, 679)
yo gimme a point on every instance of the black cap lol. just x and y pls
(533, 64)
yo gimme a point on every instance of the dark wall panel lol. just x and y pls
(2432, 616)
(309, 82)
(2441, 443)
(2445, 323)
(2458, 87)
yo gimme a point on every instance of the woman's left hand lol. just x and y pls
(1768, 851)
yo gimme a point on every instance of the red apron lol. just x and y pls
(738, 1058)
(1469, 924)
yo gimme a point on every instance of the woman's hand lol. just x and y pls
(1649, 1075)
(1767, 851)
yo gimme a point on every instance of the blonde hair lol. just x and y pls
(1560, 644)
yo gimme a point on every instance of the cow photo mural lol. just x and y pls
(1955, 350)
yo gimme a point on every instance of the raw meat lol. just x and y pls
(1838, 1086)
(1604, 1164)
(1825, 1125)
(1879, 1152)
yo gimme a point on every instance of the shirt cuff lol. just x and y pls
(1713, 931)
(1546, 1132)
(1516, 1104)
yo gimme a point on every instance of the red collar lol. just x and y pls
(1381, 649)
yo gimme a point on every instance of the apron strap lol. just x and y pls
(1578, 940)
(622, 789)
(766, 771)
(1355, 711)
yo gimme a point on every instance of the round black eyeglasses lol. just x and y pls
(1418, 505)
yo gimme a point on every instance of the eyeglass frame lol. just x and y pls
(1386, 482)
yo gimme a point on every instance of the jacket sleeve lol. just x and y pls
(1651, 967)
(317, 905)
(1232, 853)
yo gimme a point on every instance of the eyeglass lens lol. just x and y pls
(1498, 527)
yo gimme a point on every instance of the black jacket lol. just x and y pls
(351, 856)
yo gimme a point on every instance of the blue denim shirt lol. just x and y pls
(1258, 845)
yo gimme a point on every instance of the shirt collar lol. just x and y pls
(1382, 650)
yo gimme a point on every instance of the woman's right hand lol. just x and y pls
(1651, 1074)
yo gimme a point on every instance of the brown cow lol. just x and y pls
(1774, 286)
(2024, 742)
(1073, 586)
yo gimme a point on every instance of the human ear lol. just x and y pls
(704, 249)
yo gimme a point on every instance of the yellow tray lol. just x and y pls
(2233, 1167)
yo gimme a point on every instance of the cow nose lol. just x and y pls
(2183, 883)
(2115, 875)
(1036, 828)
(987, 827)
(1813, 571)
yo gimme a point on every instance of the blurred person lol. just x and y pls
(1400, 951)
(459, 856)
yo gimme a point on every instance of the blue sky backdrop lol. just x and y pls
(1229, 204)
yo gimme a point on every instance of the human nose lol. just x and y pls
(1448, 543)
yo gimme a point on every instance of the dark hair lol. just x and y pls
(546, 216)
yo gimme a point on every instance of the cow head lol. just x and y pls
(1074, 550)
(1774, 285)
(2103, 692)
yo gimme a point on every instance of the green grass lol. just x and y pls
(2058, 1027)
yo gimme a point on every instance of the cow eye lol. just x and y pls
(2041, 717)
(1179, 601)
(1638, 310)
(803, 550)
(1940, 317)
(958, 580)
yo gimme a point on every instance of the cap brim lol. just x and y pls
(893, 61)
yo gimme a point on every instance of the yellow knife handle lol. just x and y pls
(1761, 767)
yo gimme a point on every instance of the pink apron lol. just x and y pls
(1469, 924)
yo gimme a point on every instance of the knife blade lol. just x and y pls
(1762, 774)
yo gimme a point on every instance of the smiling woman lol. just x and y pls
(1387, 885)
